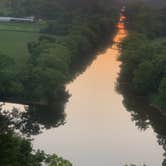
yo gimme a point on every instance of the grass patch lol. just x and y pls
(21, 27)
(14, 38)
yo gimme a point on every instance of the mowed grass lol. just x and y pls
(14, 38)
(25, 27)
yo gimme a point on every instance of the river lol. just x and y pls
(99, 130)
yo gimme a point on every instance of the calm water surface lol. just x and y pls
(99, 130)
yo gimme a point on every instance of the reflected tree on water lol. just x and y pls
(144, 115)
(38, 118)
(34, 119)
(15, 149)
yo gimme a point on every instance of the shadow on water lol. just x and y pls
(33, 119)
(144, 116)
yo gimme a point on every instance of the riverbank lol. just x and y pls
(143, 54)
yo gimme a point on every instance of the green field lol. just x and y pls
(14, 38)
(24, 27)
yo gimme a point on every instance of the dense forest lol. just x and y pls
(143, 53)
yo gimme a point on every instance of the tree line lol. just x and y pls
(144, 53)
